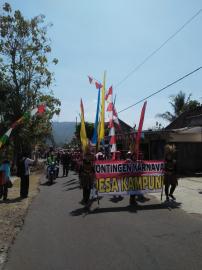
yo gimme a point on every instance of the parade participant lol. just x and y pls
(87, 176)
(100, 155)
(117, 156)
(58, 157)
(65, 160)
(5, 179)
(130, 157)
(170, 178)
(24, 173)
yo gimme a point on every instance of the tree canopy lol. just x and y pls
(180, 103)
(25, 74)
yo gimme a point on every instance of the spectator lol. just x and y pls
(65, 160)
(5, 178)
(24, 173)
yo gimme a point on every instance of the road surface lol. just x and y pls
(59, 234)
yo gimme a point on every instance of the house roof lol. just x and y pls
(124, 126)
(191, 118)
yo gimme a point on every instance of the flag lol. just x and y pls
(102, 115)
(83, 137)
(97, 84)
(109, 93)
(138, 137)
(5, 137)
(112, 135)
(111, 108)
(111, 111)
(40, 109)
(90, 79)
(115, 117)
(95, 132)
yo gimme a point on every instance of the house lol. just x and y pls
(186, 133)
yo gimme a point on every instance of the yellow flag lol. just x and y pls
(84, 139)
(102, 115)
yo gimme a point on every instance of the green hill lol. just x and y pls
(63, 132)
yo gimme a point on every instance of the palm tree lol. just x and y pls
(179, 104)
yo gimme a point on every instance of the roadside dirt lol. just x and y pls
(12, 213)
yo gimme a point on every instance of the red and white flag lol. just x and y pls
(111, 108)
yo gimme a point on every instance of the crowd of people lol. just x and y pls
(84, 165)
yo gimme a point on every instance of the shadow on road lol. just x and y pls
(47, 183)
(116, 199)
(129, 208)
(72, 188)
(71, 182)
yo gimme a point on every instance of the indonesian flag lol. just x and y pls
(111, 108)
(40, 109)
(109, 94)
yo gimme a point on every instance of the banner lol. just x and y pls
(125, 177)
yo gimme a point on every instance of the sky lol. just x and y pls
(91, 36)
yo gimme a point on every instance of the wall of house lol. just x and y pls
(189, 157)
(189, 137)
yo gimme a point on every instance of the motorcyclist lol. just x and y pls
(51, 161)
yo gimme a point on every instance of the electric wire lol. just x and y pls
(158, 49)
(160, 90)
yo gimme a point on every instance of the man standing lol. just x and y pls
(65, 160)
(24, 173)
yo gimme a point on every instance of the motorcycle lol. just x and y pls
(52, 173)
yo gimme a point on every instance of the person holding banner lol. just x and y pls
(87, 175)
(170, 179)
(131, 157)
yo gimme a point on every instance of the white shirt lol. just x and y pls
(28, 162)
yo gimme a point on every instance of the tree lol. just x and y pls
(25, 74)
(179, 105)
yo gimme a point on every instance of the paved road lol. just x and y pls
(59, 235)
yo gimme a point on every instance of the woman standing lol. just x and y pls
(5, 178)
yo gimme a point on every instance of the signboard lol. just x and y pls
(125, 177)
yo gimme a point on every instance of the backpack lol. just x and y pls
(21, 167)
